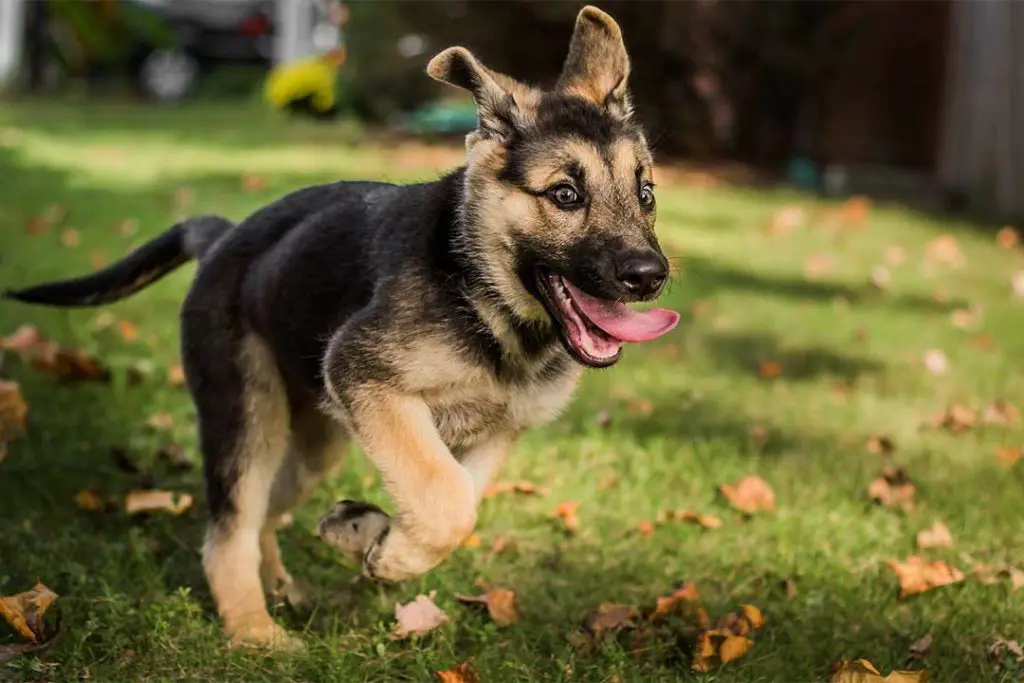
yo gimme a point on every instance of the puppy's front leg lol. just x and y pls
(434, 495)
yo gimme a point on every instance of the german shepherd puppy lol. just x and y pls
(430, 323)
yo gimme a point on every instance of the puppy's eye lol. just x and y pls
(647, 194)
(564, 196)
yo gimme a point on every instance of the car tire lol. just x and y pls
(168, 75)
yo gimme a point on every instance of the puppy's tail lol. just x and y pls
(185, 241)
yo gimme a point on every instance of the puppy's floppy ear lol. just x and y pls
(597, 66)
(502, 103)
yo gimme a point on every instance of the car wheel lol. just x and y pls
(168, 75)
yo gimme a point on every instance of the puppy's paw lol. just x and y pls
(265, 635)
(357, 529)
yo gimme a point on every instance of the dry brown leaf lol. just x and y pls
(1006, 649)
(566, 511)
(785, 220)
(862, 671)
(70, 238)
(1000, 412)
(500, 544)
(945, 250)
(176, 376)
(253, 183)
(501, 605)
(638, 405)
(160, 421)
(788, 587)
(817, 265)
(13, 409)
(717, 647)
(127, 227)
(1016, 578)
(37, 225)
(936, 536)
(770, 369)
(743, 621)
(881, 445)
(127, 330)
(1007, 237)
(936, 362)
(1017, 284)
(956, 418)
(153, 500)
(463, 673)
(22, 341)
(472, 541)
(982, 342)
(1008, 456)
(895, 254)
(89, 500)
(610, 617)
(918, 575)
(174, 455)
(523, 486)
(920, 647)
(418, 617)
(645, 528)
(685, 593)
(749, 495)
(25, 611)
(893, 489)
(706, 521)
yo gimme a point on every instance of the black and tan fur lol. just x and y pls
(407, 319)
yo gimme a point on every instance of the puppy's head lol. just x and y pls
(560, 194)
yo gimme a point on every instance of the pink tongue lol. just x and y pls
(621, 322)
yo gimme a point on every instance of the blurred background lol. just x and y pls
(905, 98)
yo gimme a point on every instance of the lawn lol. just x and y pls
(787, 361)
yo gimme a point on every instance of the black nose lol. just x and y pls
(642, 274)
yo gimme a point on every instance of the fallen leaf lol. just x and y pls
(936, 536)
(25, 611)
(128, 330)
(749, 495)
(895, 254)
(524, 487)
(89, 500)
(463, 673)
(956, 418)
(419, 617)
(176, 376)
(785, 220)
(881, 277)
(818, 265)
(160, 421)
(935, 362)
(965, 318)
(706, 521)
(1006, 648)
(728, 640)
(37, 225)
(640, 406)
(645, 528)
(70, 238)
(1016, 578)
(700, 308)
(174, 455)
(917, 575)
(893, 489)
(13, 409)
(1000, 412)
(603, 419)
(1008, 455)
(501, 605)
(1017, 284)
(610, 617)
(788, 587)
(945, 250)
(1007, 237)
(770, 369)
(759, 434)
(500, 544)
(743, 621)
(685, 593)
(22, 341)
(919, 648)
(98, 260)
(566, 511)
(862, 671)
(881, 445)
(153, 500)
(472, 541)
(253, 183)
(127, 227)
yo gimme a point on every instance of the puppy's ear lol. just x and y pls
(503, 104)
(597, 67)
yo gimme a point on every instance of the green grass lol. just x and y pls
(133, 599)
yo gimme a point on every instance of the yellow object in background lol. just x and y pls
(306, 85)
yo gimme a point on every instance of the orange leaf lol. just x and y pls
(1007, 237)
(1008, 455)
(22, 341)
(645, 528)
(500, 544)
(24, 611)
(685, 592)
(893, 489)
(749, 495)
(523, 486)
(937, 536)
(150, 501)
(566, 511)
(89, 500)
(770, 369)
(98, 259)
(472, 541)
(463, 673)
(610, 617)
(13, 408)
(1000, 412)
(418, 617)
(176, 376)
(160, 421)
(501, 605)
(818, 265)
(917, 575)
(880, 445)
(945, 250)
(70, 238)
(956, 418)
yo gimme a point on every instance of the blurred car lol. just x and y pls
(207, 34)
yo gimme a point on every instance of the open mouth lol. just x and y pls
(593, 329)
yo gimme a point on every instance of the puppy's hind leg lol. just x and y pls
(243, 425)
